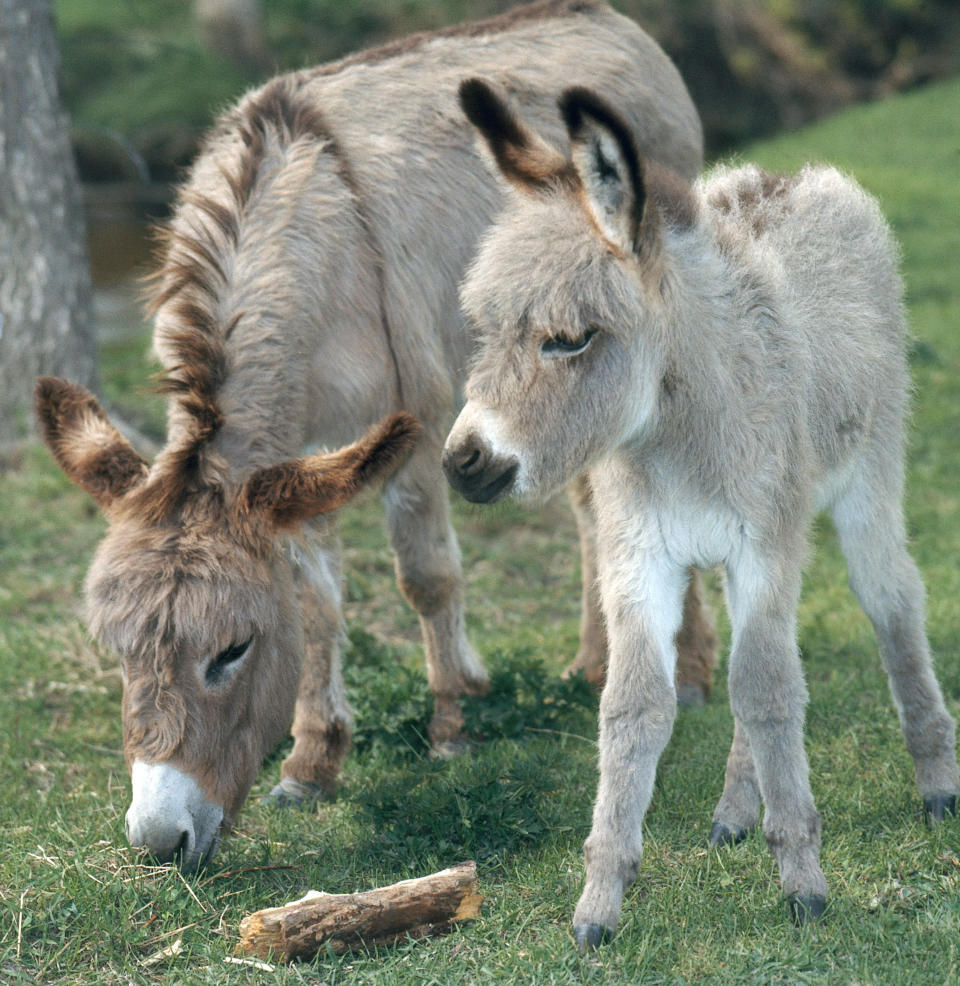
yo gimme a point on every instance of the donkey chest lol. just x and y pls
(687, 525)
(694, 530)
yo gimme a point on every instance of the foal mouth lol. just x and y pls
(476, 472)
(481, 488)
(497, 488)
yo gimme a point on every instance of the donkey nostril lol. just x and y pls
(471, 461)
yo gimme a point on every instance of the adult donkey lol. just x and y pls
(307, 288)
(728, 358)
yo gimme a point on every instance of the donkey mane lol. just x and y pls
(191, 275)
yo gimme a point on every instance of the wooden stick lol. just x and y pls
(428, 905)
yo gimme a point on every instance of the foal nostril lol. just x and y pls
(465, 461)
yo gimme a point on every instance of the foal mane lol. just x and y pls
(193, 250)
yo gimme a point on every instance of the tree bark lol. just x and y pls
(429, 905)
(46, 317)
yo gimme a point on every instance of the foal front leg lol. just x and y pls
(637, 710)
(768, 697)
(642, 593)
(430, 577)
(696, 639)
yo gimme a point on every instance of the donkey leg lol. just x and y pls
(738, 810)
(696, 640)
(696, 647)
(637, 711)
(592, 656)
(431, 579)
(886, 582)
(322, 722)
(642, 594)
(768, 696)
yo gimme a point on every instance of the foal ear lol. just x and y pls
(82, 439)
(608, 164)
(294, 491)
(523, 157)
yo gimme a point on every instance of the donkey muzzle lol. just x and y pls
(476, 473)
(171, 817)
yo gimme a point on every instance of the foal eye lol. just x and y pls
(219, 666)
(563, 345)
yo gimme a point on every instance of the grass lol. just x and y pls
(78, 906)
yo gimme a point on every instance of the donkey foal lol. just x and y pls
(724, 360)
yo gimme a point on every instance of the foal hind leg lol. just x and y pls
(430, 577)
(696, 639)
(888, 586)
(322, 722)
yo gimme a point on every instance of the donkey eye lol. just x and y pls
(563, 345)
(219, 666)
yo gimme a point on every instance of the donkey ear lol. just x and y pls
(522, 156)
(86, 445)
(294, 491)
(606, 160)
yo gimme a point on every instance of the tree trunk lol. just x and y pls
(46, 324)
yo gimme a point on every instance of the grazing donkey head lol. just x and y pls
(192, 588)
(565, 334)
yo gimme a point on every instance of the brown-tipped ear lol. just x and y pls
(294, 491)
(86, 445)
(611, 172)
(523, 157)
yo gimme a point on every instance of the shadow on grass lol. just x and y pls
(517, 788)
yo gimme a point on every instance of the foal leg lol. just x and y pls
(768, 697)
(696, 640)
(887, 584)
(643, 601)
(322, 722)
(430, 578)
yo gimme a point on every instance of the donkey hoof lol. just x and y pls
(291, 793)
(937, 807)
(589, 937)
(806, 908)
(721, 835)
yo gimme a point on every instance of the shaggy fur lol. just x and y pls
(725, 361)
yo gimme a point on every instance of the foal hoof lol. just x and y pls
(806, 908)
(937, 807)
(721, 836)
(589, 937)
(291, 793)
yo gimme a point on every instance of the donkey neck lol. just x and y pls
(248, 284)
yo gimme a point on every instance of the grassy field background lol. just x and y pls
(78, 906)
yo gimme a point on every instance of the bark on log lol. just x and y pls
(428, 905)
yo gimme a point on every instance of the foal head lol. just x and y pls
(192, 588)
(568, 294)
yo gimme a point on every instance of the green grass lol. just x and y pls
(78, 906)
